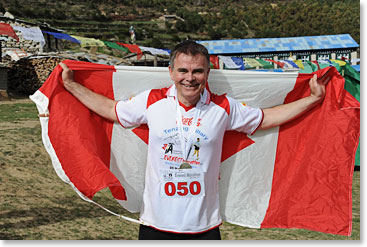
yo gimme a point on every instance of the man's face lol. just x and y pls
(190, 74)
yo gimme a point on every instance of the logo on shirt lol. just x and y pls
(168, 148)
(188, 121)
(196, 146)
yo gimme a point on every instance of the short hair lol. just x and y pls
(189, 47)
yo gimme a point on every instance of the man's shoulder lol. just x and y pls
(221, 100)
(156, 95)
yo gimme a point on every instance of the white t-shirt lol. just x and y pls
(184, 200)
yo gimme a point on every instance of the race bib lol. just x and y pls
(182, 183)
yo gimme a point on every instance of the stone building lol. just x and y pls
(26, 45)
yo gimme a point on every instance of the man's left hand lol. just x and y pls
(317, 86)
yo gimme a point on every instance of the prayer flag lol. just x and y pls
(63, 36)
(6, 29)
(89, 42)
(133, 49)
(116, 46)
(154, 51)
(32, 33)
(214, 61)
(229, 63)
(251, 63)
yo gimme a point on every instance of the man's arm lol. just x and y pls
(281, 114)
(100, 104)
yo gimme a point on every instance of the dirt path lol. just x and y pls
(17, 125)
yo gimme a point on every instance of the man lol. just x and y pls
(181, 198)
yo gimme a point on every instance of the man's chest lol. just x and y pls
(206, 123)
(201, 133)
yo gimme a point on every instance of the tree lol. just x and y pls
(215, 33)
(156, 43)
(181, 26)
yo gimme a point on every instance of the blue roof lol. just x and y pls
(325, 42)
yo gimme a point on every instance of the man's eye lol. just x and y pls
(198, 72)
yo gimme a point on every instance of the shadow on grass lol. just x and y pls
(69, 210)
(10, 236)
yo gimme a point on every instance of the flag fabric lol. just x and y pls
(299, 64)
(63, 36)
(154, 51)
(313, 66)
(291, 64)
(116, 46)
(251, 63)
(6, 29)
(239, 62)
(340, 62)
(352, 85)
(308, 67)
(279, 63)
(325, 61)
(316, 63)
(298, 175)
(88, 42)
(265, 64)
(214, 62)
(31, 33)
(133, 49)
(229, 63)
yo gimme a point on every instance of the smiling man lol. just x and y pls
(190, 74)
(181, 198)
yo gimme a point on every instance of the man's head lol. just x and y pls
(189, 69)
(188, 47)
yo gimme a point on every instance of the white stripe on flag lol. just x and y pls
(238, 187)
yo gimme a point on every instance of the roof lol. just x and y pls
(43, 26)
(325, 42)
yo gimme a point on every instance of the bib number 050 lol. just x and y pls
(182, 188)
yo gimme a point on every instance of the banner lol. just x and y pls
(63, 36)
(154, 51)
(6, 29)
(88, 42)
(298, 175)
(32, 33)
(229, 63)
(133, 49)
(116, 46)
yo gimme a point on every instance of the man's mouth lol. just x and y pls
(190, 85)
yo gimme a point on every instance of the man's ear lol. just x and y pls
(170, 72)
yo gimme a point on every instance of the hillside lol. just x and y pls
(202, 19)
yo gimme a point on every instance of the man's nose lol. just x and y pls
(190, 77)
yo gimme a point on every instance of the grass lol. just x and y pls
(37, 205)
(18, 112)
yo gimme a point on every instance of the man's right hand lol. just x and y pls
(100, 104)
(67, 75)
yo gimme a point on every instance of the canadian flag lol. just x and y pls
(298, 175)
